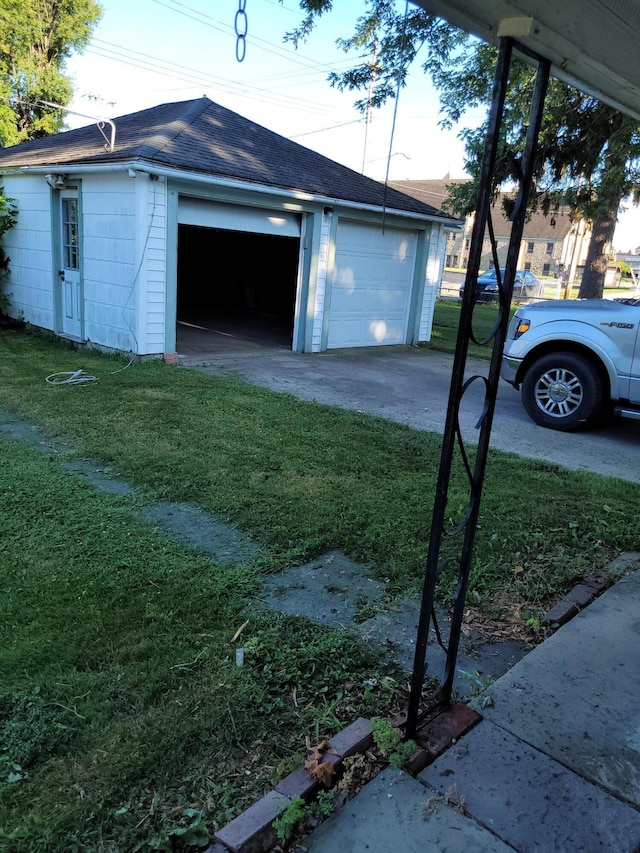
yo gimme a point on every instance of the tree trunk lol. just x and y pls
(604, 224)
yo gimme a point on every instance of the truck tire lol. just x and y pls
(563, 390)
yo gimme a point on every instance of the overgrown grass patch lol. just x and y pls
(301, 478)
(123, 715)
(122, 709)
(446, 319)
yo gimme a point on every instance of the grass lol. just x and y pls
(447, 316)
(125, 723)
(446, 319)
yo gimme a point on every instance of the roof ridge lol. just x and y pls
(173, 129)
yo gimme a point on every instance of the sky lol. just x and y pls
(148, 52)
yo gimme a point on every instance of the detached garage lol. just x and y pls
(196, 218)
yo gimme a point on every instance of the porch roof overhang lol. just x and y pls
(591, 44)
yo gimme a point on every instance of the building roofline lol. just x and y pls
(150, 168)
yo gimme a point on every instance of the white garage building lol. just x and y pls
(190, 215)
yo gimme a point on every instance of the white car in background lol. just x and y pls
(574, 360)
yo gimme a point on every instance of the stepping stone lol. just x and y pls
(100, 477)
(328, 591)
(196, 528)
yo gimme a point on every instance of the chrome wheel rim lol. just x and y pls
(558, 392)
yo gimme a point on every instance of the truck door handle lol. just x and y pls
(61, 274)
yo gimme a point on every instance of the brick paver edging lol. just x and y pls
(253, 832)
(576, 600)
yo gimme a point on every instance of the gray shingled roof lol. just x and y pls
(553, 226)
(201, 136)
(432, 192)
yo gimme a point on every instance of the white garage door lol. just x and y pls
(235, 217)
(371, 287)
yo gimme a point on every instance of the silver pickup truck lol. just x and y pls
(575, 360)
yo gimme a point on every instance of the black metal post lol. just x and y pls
(459, 385)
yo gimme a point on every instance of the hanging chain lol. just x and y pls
(242, 27)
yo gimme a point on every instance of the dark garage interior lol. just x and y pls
(235, 288)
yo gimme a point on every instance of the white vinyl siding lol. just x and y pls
(437, 242)
(108, 208)
(29, 247)
(321, 282)
(124, 262)
(151, 249)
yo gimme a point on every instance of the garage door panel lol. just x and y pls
(370, 333)
(371, 287)
(235, 217)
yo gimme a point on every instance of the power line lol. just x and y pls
(333, 127)
(220, 26)
(195, 78)
(162, 63)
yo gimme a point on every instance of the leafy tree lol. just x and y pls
(589, 153)
(625, 269)
(8, 217)
(36, 39)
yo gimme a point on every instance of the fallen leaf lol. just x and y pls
(323, 772)
(239, 631)
(518, 569)
(318, 751)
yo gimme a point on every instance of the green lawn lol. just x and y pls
(447, 316)
(446, 319)
(123, 717)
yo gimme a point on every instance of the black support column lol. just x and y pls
(452, 437)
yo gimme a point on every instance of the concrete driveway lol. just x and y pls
(411, 385)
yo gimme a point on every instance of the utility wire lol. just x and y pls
(220, 26)
(323, 129)
(193, 77)
(393, 124)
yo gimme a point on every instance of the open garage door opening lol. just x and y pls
(235, 289)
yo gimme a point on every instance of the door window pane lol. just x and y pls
(70, 254)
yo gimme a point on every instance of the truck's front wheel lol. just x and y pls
(562, 391)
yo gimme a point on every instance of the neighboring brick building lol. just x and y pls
(549, 243)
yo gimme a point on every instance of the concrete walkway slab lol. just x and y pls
(329, 590)
(554, 766)
(333, 589)
(529, 800)
(576, 697)
(397, 813)
(196, 528)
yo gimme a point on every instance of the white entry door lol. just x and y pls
(69, 273)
